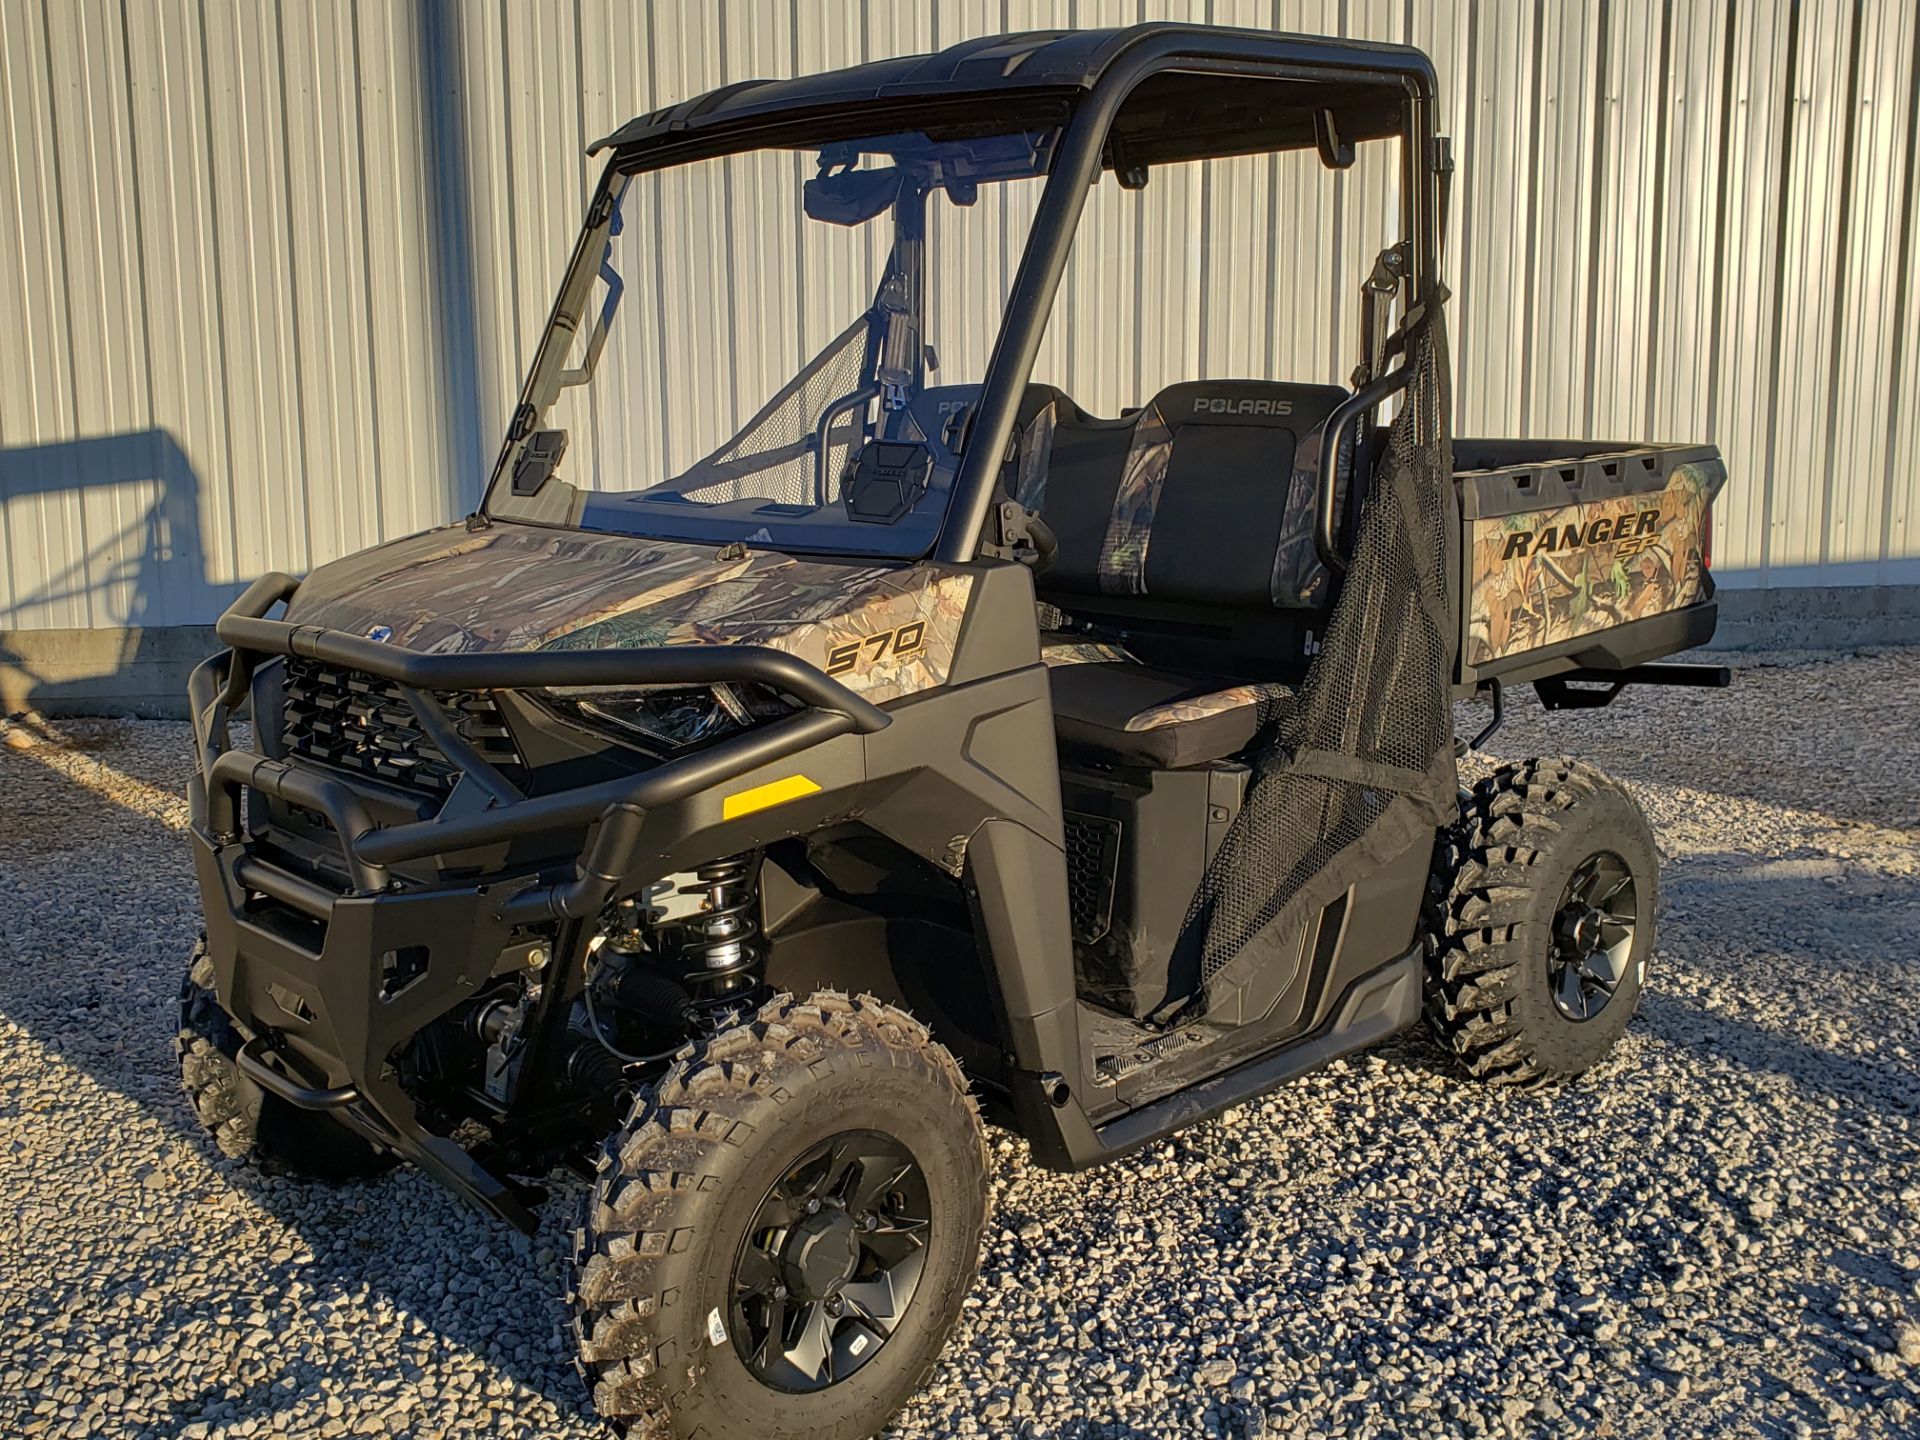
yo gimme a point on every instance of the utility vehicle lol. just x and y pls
(738, 827)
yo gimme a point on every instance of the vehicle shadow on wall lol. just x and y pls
(128, 510)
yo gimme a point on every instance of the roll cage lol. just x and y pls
(1342, 91)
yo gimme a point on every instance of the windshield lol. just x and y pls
(779, 347)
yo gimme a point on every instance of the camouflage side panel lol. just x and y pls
(883, 632)
(1123, 554)
(1544, 576)
(1218, 702)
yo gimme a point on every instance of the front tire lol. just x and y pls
(244, 1121)
(1542, 923)
(779, 1240)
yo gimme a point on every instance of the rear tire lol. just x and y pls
(245, 1122)
(701, 1207)
(1541, 922)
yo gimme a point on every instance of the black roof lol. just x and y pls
(1034, 62)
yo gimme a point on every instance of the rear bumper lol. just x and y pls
(330, 971)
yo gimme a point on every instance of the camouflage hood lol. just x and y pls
(519, 587)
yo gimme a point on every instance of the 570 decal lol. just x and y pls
(858, 654)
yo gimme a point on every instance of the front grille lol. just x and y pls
(361, 724)
(1093, 850)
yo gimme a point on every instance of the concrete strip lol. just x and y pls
(135, 671)
(1822, 618)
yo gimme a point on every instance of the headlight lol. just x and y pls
(673, 717)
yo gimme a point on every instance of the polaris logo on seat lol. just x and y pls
(1246, 405)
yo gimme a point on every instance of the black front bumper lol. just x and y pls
(329, 971)
(321, 1018)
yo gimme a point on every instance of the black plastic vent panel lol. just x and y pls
(363, 725)
(1093, 853)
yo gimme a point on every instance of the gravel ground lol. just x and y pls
(1718, 1232)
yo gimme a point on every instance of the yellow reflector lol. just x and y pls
(777, 792)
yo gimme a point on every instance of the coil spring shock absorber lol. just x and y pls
(719, 947)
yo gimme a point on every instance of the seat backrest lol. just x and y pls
(1195, 498)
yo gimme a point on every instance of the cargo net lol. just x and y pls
(772, 457)
(1363, 766)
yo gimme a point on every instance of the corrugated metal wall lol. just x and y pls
(271, 268)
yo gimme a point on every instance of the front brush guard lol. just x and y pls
(327, 983)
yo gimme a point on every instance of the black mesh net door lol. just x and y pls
(1363, 767)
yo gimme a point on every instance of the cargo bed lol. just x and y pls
(1579, 555)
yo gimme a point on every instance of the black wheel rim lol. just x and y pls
(830, 1262)
(1593, 934)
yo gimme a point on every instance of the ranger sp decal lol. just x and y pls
(1629, 535)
